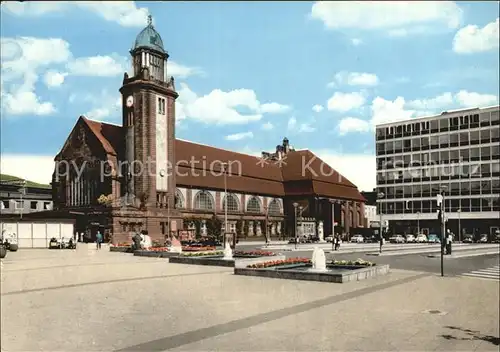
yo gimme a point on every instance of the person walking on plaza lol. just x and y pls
(381, 240)
(337, 242)
(99, 239)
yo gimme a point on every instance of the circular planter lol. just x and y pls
(13, 247)
(3, 252)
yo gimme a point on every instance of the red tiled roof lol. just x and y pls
(300, 173)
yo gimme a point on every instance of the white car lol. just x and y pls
(397, 239)
(421, 238)
(410, 239)
(357, 239)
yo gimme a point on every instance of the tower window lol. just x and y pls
(161, 106)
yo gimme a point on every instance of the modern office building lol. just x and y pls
(456, 151)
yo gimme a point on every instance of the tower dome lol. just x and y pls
(149, 38)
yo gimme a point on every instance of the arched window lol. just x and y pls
(274, 207)
(203, 201)
(253, 205)
(179, 200)
(232, 203)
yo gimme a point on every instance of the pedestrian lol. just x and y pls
(381, 240)
(337, 242)
(99, 239)
(449, 240)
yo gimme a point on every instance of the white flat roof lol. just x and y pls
(442, 114)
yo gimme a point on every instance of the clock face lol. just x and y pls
(130, 101)
(162, 173)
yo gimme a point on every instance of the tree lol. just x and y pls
(246, 227)
(214, 225)
(239, 227)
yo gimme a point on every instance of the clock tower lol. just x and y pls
(148, 100)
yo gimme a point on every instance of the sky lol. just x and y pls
(322, 74)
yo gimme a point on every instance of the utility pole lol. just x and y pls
(380, 196)
(224, 165)
(22, 192)
(441, 217)
(459, 227)
(295, 205)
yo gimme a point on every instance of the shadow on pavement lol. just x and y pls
(472, 335)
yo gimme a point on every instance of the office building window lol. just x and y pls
(464, 138)
(485, 136)
(485, 153)
(495, 116)
(465, 205)
(475, 204)
(33, 205)
(474, 137)
(5, 204)
(19, 204)
(484, 117)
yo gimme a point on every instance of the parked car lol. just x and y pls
(3, 251)
(397, 239)
(483, 238)
(468, 238)
(433, 238)
(410, 239)
(329, 239)
(421, 238)
(357, 239)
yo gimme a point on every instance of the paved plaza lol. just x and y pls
(88, 300)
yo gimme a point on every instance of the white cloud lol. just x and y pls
(54, 78)
(462, 99)
(472, 39)
(180, 71)
(104, 105)
(344, 102)
(385, 111)
(274, 108)
(219, 107)
(353, 124)
(472, 99)
(267, 126)
(306, 128)
(374, 15)
(37, 168)
(354, 79)
(100, 66)
(239, 136)
(445, 99)
(292, 123)
(317, 108)
(124, 13)
(22, 59)
(356, 41)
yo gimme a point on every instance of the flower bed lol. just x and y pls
(203, 254)
(253, 254)
(357, 262)
(273, 263)
(198, 248)
(157, 249)
(123, 244)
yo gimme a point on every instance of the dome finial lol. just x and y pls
(150, 20)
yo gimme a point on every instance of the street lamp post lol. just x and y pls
(295, 205)
(22, 192)
(333, 224)
(418, 223)
(459, 227)
(380, 196)
(224, 165)
(440, 201)
(267, 225)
